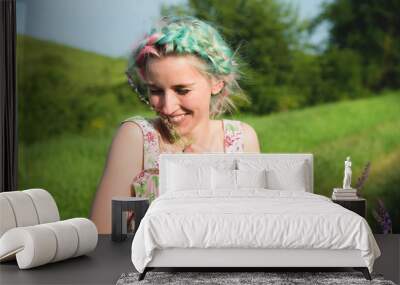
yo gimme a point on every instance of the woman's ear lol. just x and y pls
(217, 86)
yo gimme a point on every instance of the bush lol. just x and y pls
(52, 101)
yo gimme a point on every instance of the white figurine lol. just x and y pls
(347, 174)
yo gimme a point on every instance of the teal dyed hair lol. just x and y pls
(190, 36)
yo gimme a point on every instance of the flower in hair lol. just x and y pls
(145, 51)
(149, 47)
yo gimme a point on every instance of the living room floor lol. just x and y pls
(110, 259)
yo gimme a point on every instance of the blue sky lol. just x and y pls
(108, 27)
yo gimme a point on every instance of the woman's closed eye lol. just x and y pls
(182, 91)
(156, 91)
(179, 91)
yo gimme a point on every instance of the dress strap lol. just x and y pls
(233, 136)
(150, 141)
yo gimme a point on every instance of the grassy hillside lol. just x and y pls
(70, 166)
(63, 89)
(88, 68)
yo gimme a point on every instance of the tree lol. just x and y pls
(370, 29)
(266, 34)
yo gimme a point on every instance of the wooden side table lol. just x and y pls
(358, 206)
(119, 223)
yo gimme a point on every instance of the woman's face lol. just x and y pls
(179, 91)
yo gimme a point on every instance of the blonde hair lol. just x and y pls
(190, 36)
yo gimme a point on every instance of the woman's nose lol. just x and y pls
(169, 102)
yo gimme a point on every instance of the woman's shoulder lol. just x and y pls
(132, 129)
(145, 129)
(137, 119)
(129, 131)
(237, 126)
(250, 138)
(143, 123)
(247, 133)
(247, 130)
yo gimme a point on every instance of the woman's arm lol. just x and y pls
(250, 139)
(124, 162)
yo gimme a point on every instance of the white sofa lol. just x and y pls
(289, 177)
(31, 231)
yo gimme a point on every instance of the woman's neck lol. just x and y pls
(201, 139)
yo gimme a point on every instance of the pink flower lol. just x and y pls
(152, 39)
(139, 176)
(150, 137)
(149, 48)
(228, 141)
(145, 51)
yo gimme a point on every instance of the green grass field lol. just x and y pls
(70, 166)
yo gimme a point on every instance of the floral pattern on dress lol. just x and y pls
(146, 182)
(233, 141)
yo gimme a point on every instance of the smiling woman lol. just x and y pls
(187, 74)
(181, 95)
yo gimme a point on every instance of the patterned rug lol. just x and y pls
(230, 278)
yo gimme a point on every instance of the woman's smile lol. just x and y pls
(178, 119)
